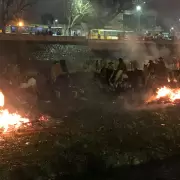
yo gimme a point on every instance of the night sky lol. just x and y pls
(169, 9)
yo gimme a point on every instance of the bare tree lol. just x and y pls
(13, 10)
(77, 10)
(103, 17)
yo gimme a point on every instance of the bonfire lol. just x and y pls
(10, 121)
(166, 94)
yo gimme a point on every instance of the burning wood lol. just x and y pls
(166, 94)
(10, 121)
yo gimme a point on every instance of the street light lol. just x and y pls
(55, 22)
(20, 23)
(139, 9)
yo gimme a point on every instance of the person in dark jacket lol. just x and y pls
(121, 65)
(43, 88)
(151, 67)
(161, 68)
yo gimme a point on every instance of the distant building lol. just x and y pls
(116, 23)
(135, 2)
(128, 20)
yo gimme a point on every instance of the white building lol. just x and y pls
(128, 20)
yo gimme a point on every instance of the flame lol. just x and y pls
(169, 94)
(1, 99)
(9, 121)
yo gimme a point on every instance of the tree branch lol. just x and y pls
(13, 8)
(78, 9)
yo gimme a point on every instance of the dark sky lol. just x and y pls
(167, 9)
(55, 7)
(168, 12)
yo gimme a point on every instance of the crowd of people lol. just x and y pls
(56, 81)
(44, 32)
(33, 84)
(155, 73)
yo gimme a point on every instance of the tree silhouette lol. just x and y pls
(13, 10)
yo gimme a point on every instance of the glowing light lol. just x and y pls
(162, 92)
(169, 94)
(10, 121)
(138, 8)
(20, 23)
(1, 99)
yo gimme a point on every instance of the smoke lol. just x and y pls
(142, 52)
(138, 102)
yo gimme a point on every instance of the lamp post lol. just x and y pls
(172, 30)
(55, 22)
(139, 10)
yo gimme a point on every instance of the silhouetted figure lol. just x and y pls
(109, 72)
(161, 67)
(99, 36)
(151, 67)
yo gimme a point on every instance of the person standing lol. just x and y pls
(56, 70)
(120, 70)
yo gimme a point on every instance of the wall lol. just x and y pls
(78, 57)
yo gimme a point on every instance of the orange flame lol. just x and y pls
(1, 99)
(171, 94)
(9, 121)
(167, 93)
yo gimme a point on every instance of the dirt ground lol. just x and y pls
(95, 136)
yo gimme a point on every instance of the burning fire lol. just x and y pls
(9, 121)
(1, 99)
(166, 93)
